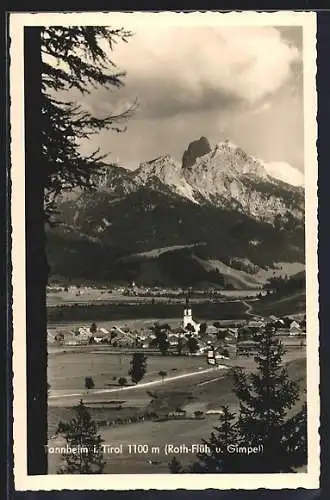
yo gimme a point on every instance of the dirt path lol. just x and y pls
(249, 310)
(140, 386)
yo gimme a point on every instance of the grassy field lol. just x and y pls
(202, 391)
(177, 432)
(68, 368)
(124, 311)
(281, 305)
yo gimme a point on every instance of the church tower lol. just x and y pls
(187, 314)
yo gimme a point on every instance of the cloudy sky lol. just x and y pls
(241, 84)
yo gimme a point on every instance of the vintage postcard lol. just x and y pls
(173, 160)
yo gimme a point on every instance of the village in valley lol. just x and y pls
(229, 337)
(176, 297)
(189, 357)
(170, 273)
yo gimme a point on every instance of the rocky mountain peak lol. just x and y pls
(195, 150)
(163, 167)
(224, 176)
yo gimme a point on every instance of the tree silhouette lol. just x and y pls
(93, 328)
(161, 340)
(89, 383)
(296, 438)
(265, 398)
(192, 344)
(81, 433)
(175, 466)
(75, 59)
(138, 367)
(61, 64)
(190, 328)
(122, 381)
(162, 374)
(202, 329)
(198, 413)
(180, 345)
(218, 457)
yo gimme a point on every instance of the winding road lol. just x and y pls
(249, 310)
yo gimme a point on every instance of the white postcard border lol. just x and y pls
(23, 482)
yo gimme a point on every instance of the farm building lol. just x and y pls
(295, 328)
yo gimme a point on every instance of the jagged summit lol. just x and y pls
(224, 176)
(214, 221)
(195, 150)
(166, 170)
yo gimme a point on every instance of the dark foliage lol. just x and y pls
(89, 383)
(81, 431)
(74, 59)
(287, 285)
(161, 337)
(202, 329)
(162, 374)
(175, 466)
(266, 396)
(218, 457)
(192, 344)
(180, 345)
(138, 367)
(93, 328)
(122, 381)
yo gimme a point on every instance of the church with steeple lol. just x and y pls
(188, 318)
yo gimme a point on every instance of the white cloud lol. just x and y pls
(222, 83)
(178, 69)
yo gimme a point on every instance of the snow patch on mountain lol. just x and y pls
(285, 172)
(224, 176)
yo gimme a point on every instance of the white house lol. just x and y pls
(103, 330)
(211, 330)
(295, 328)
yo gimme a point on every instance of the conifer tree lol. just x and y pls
(161, 337)
(179, 345)
(192, 344)
(75, 59)
(296, 438)
(93, 328)
(265, 397)
(174, 466)
(62, 63)
(217, 457)
(162, 374)
(138, 367)
(81, 433)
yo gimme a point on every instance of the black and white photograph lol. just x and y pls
(178, 169)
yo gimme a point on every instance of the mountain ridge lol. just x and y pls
(218, 198)
(224, 176)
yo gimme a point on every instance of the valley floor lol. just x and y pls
(190, 386)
